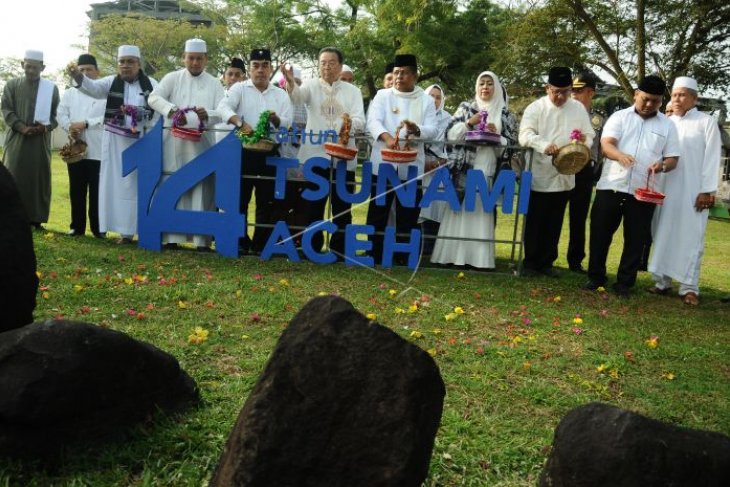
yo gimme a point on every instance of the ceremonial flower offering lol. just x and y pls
(572, 157)
(258, 140)
(186, 133)
(117, 125)
(648, 195)
(396, 154)
(73, 151)
(340, 150)
(482, 135)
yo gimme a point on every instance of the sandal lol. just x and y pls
(659, 291)
(691, 299)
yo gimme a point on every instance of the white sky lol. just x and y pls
(51, 26)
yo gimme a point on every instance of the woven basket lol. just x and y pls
(263, 145)
(571, 158)
(648, 196)
(187, 133)
(339, 151)
(73, 151)
(398, 156)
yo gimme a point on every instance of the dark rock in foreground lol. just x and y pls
(598, 445)
(342, 402)
(18, 280)
(64, 383)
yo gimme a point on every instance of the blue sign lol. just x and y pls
(158, 197)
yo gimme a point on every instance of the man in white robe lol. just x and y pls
(130, 87)
(189, 88)
(680, 223)
(327, 99)
(408, 104)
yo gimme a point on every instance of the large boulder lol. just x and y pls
(18, 279)
(63, 382)
(343, 401)
(598, 445)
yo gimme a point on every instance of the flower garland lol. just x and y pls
(261, 130)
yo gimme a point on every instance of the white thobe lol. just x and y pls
(387, 111)
(117, 194)
(248, 102)
(223, 128)
(325, 105)
(543, 124)
(679, 229)
(179, 90)
(76, 106)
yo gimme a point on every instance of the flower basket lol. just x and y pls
(572, 157)
(397, 155)
(258, 141)
(117, 124)
(648, 195)
(73, 151)
(340, 150)
(186, 133)
(482, 135)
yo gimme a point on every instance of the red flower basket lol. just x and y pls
(184, 132)
(647, 195)
(398, 155)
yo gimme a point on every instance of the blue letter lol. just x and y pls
(341, 180)
(352, 245)
(433, 193)
(286, 246)
(523, 201)
(323, 185)
(391, 246)
(282, 135)
(281, 164)
(505, 184)
(315, 255)
(405, 192)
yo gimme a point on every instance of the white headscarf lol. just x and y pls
(496, 104)
(443, 96)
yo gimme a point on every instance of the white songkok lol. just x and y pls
(346, 68)
(685, 82)
(128, 51)
(33, 55)
(196, 45)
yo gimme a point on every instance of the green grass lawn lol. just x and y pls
(522, 354)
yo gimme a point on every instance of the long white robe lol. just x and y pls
(117, 194)
(679, 229)
(477, 224)
(181, 89)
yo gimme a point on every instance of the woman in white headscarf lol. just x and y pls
(435, 157)
(477, 224)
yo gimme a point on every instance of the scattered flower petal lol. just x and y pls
(371, 316)
(459, 310)
(432, 352)
(182, 304)
(652, 342)
(416, 334)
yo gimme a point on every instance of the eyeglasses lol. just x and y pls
(560, 91)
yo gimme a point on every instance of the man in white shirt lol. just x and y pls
(83, 118)
(192, 89)
(408, 104)
(637, 141)
(243, 107)
(546, 126)
(327, 99)
(680, 223)
(130, 88)
(235, 72)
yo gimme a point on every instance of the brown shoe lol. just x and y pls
(691, 299)
(659, 291)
